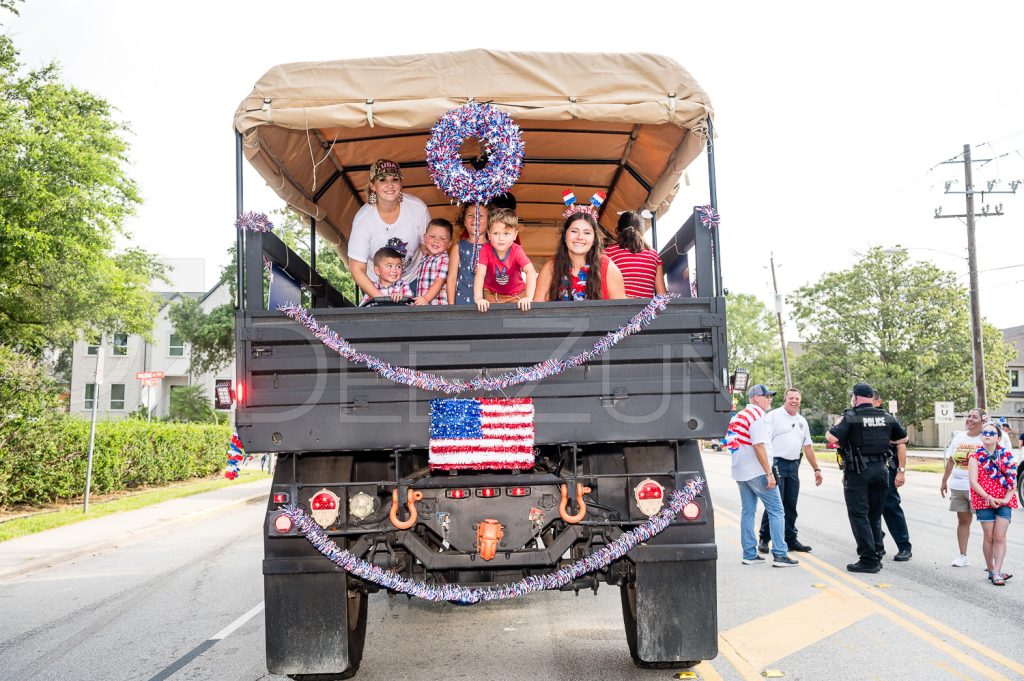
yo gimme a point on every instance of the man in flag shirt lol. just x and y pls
(749, 440)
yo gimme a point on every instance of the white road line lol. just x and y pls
(226, 631)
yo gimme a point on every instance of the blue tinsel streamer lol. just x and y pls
(466, 595)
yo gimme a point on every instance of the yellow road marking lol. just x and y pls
(708, 672)
(920, 616)
(805, 623)
(743, 667)
(950, 669)
(834, 576)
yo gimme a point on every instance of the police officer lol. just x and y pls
(895, 519)
(864, 435)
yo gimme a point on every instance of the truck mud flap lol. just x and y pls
(676, 611)
(307, 623)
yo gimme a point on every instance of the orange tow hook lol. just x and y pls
(488, 533)
(580, 504)
(413, 496)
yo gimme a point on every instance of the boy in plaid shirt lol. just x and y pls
(433, 268)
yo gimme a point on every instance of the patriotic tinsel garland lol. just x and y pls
(502, 142)
(436, 383)
(457, 593)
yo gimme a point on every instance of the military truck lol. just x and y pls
(613, 438)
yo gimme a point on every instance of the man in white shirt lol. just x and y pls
(748, 439)
(791, 441)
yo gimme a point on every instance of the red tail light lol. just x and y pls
(282, 523)
(324, 501)
(649, 490)
(518, 491)
(239, 392)
(456, 493)
(280, 497)
(488, 492)
(691, 511)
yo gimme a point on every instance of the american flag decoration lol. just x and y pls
(597, 199)
(481, 433)
(568, 197)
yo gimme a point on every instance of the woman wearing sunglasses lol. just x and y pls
(993, 478)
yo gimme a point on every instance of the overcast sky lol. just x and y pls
(831, 121)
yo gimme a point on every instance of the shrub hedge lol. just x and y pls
(46, 459)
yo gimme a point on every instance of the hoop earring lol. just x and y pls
(373, 198)
(401, 196)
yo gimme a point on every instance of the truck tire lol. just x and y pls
(629, 619)
(1020, 484)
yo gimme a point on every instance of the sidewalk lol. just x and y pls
(37, 551)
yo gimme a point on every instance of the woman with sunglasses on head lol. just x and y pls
(993, 477)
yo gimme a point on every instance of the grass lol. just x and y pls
(67, 515)
(913, 463)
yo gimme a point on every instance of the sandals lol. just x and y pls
(997, 580)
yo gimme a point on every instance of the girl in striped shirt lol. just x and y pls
(641, 267)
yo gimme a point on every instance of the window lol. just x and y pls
(175, 346)
(117, 396)
(120, 344)
(94, 345)
(1014, 379)
(90, 394)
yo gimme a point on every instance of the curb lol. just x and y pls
(138, 534)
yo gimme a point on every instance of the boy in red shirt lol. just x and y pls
(502, 264)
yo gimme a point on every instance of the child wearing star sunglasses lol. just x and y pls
(993, 479)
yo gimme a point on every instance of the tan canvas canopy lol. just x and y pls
(624, 124)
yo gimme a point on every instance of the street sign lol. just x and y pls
(149, 375)
(944, 412)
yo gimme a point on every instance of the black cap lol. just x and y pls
(863, 390)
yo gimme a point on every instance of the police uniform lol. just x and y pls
(864, 434)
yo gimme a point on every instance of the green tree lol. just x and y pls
(212, 335)
(753, 340)
(191, 404)
(903, 327)
(64, 196)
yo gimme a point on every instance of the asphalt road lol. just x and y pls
(188, 605)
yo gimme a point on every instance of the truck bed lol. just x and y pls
(664, 383)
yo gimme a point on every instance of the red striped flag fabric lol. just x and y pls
(738, 433)
(481, 433)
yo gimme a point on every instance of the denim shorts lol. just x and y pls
(989, 515)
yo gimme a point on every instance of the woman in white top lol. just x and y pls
(390, 218)
(955, 478)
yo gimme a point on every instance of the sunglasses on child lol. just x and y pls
(990, 433)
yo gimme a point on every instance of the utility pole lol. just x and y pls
(977, 347)
(782, 335)
(97, 382)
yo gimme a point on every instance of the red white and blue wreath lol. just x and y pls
(502, 142)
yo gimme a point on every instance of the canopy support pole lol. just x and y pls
(713, 190)
(240, 233)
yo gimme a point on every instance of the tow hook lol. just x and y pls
(412, 497)
(488, 533)
(580, 504)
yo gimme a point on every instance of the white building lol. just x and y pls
(125, 355)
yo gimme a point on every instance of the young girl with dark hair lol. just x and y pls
(641, 267)
(579, 270)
